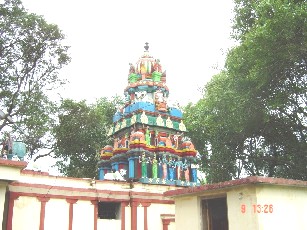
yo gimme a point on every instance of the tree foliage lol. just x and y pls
(253, 113)
(31, 54)
(81, 133)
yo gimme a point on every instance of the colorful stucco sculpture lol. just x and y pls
(149, 134)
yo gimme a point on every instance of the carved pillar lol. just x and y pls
(100, 174)
(123, 215)
(12, 199)
(131, 167)
(165, 223)
(145, 205)
(43, 201)
(134, 206)
(167, 219)
(95, 203)
(115, 166)
(138, 168)
(71, 211)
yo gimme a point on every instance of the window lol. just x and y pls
(109, 210)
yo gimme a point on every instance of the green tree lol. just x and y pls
(253, 114)
(82, 131)
(272, 56)
(215, 125)
(31, 54)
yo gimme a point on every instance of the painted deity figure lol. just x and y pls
(178, 165)
(171, 168)
(164, 167)
(7, 144)
(131, 68)
(160, 101)
(132, 134)
(160, 169)
(120, 142)
(161, 139)
(177, 137)
(194, 168)
(186, 170)
(147, 136)
(154, 167)
(168, 142)
(157, 66)
(144, 162)
(138, 135)
(115, 142)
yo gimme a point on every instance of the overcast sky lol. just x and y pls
(189, 38)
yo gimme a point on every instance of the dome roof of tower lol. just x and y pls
(146, 68)
(147, 64)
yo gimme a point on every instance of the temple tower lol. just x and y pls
(149, 134)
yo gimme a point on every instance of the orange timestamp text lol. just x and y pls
(257, 208)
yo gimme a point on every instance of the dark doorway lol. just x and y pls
(109, 210)
(215, 214)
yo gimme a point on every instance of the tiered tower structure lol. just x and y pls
(149, 135)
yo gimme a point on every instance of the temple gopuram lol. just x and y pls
(149, 135)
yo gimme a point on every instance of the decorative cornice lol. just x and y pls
(16, 164)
